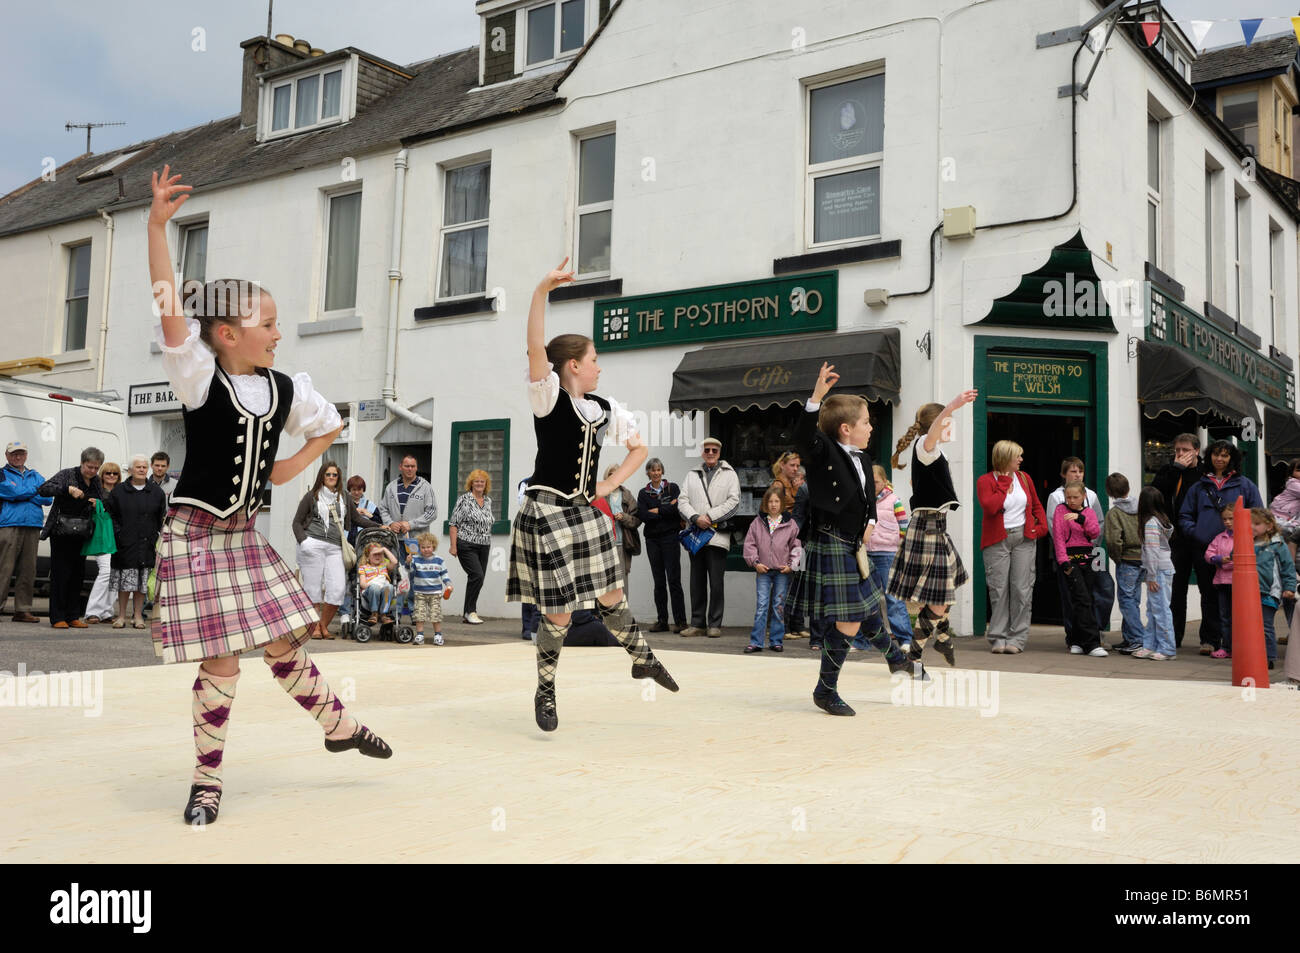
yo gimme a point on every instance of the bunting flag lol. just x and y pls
(1295, 25)
(1249, 28)
(1202, 27)
(1151, 30)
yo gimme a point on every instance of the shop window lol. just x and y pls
(753, 440)
(846, 149)
(481, 445)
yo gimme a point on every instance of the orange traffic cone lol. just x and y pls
(1249, 660)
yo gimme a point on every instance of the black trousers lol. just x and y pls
(707, 569)
(67, 572)
(1187, 556)
(1084, 632)
(473, 559)
(665, 554)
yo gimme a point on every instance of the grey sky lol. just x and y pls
(134, 61)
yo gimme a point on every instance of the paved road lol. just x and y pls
(41, 648)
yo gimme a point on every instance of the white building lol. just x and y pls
(905, 174)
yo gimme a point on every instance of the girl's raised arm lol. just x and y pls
(168, 196)
(935, 434)
(538, 365)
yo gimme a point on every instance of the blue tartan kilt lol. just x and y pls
(830, 587)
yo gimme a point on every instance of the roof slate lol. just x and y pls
(1264, 56)
(438, 100)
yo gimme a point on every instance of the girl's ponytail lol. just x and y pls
(904, 443)
(925, 415)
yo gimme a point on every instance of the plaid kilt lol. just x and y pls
(562, 554)
(222, 589)
(928, 569)
(830, 587)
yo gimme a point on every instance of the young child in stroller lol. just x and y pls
(375, 582)
(375, 586)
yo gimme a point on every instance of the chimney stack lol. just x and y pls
(260, 55)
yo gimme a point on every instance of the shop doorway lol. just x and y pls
(1048, 438)
(392, 462)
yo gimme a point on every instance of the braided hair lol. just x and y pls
(925, 415)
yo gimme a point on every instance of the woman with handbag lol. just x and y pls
(102, 604)
(623, 511)
(710, 496)
(137, 506)
(1013, 523)
(470, 528)
(320, 525)
(69, 524)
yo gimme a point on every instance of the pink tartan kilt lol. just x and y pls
(222, 589)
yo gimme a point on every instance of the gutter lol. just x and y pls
(394, 287)
(103, 318)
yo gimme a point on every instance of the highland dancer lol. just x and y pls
(562, 553)
(832, 435)
(222, 589)
(928, 569)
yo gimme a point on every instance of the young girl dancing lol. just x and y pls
(928, 568)
(832, 436)
(222, 589)
(562, 553)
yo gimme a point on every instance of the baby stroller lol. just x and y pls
(357, 628)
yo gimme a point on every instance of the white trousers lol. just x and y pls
(321, 565)
(103, 600)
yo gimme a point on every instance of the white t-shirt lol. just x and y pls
(191, 364)
(1013, 511)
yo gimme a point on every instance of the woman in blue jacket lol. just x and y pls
(1221, 485)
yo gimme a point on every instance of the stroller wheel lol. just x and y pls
(362, 633)
(405, 634)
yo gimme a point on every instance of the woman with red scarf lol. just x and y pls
(1013, 522)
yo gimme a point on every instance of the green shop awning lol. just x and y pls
(782, 371)
(1281, 433)
(1171, 381)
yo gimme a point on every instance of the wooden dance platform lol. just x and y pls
(738, 766)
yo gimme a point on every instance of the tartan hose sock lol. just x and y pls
(213, 696)
(941, 632)
(925, 627)
(881, 641)
(299, 677)
(618, 619)
(834, 649)
(550, 639)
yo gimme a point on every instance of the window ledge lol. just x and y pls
(1224, 320)
(451, 309)
(350, 323)
(873, 251)
(1165, 282)
(72, 357)
(1280, 357)
(600, 288)
(1244, 333)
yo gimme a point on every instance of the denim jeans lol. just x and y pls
(1159, 634)
(900, 624)
(1128, 581)
(1223, 600)
(377, 597)
(769, 612)
(1270, 636)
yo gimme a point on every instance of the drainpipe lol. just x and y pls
(394, 286)
(103, 318)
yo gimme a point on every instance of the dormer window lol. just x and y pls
(554, 30)
(294, 101)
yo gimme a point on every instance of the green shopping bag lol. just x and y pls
(102, 541)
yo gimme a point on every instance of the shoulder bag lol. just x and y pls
(349, 553)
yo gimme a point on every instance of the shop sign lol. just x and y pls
(151, 399)
(1260, 375)
(1038, 379)
(793, 305)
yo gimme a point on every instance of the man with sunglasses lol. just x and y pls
(710, 495)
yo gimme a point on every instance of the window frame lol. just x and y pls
(820, 170)
(1274, 260)
(443, 230)
(72, 251)
(1155, 244)
(352, 188)
(557, 55)
(1238, 205)
(182, 246)
(346, 87)
(503, 494)
(592, 208)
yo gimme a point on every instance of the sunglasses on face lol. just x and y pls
(710, 449)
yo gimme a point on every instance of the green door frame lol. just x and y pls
(1097, 440)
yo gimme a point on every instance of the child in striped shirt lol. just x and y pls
(430, 584)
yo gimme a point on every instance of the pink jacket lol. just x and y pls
(1067, 533)
(1220, 549)
(772, 549)
(887, 534)
(1286, 505)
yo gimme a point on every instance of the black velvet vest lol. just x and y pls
(932, 485)
(568, 449)
(229, 451)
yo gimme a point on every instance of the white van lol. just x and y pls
(57, 424)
